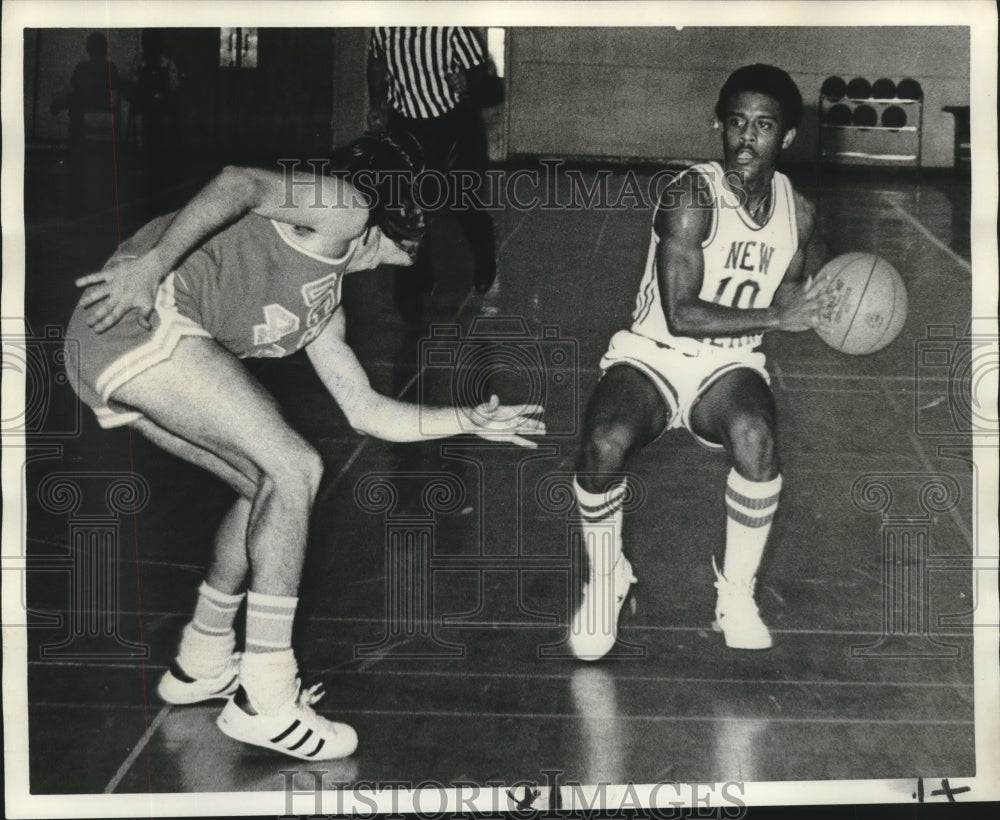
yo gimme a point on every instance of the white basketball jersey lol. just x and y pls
(744, 262)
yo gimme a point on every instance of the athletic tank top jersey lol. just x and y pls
(250, 288)
(744, 262)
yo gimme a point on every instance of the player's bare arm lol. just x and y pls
(371, 413)
(326, 229)
(810, 256)
(681, 230)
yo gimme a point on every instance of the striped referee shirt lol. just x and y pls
(418, 61)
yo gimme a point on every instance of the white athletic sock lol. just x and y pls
(208, 641)
(602, 526)
(270, 679)
(750, 508)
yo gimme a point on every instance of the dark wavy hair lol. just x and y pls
(764, 79)
(384, 168)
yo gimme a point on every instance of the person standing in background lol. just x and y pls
(425, 82)
(151, 90)
(94, 105)
(92, 98)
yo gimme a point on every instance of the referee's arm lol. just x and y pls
(378, 90)
(477, 80)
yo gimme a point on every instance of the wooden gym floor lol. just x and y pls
(450, 664)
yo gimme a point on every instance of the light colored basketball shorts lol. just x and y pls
(110, 359)
(681, 378)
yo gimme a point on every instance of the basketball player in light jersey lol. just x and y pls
(253, 267)
(732, 252)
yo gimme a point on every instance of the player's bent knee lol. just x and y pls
(752, 446)
(606, 448)
(298, 472)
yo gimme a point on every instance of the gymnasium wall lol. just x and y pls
(649, 92)
(631, 93)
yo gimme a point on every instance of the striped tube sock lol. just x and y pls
(208, 641)
(602, 526)
(750, 508)
(269, 622)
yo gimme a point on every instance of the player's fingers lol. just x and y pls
(108, 319)
(91, 297)
(92, 279)
(530, 425)
(523, 442)
(528, 409)
(96, 313)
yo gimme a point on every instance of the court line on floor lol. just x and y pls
(662, 678)
(137, 749)
(656, 718)
(923, 229)
(771, 719)
(367, 669)
(520, 625)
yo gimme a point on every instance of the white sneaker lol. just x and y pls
(295, 730)
(736, 614)
(179, 688)
(594, 628)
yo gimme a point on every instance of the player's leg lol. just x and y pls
(205, 396)
(468, 167)
(206, 665)
(738, 412)
(624, 414)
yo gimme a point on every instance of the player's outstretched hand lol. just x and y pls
(798, 307)
(507, 422)
(111, 293)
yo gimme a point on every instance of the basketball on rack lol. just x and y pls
(862, 303)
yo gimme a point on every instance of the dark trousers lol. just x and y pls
(455, 141)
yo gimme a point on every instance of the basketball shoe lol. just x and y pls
(294, 730)
(594, 628)
(736, 614)
(179, 688)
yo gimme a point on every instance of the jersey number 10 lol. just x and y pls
(742, 296)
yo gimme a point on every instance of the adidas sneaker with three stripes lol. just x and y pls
(295, 730)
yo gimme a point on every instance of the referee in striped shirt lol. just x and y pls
(424, 82)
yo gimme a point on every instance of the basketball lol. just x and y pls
(862, 303)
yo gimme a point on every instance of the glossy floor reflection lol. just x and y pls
(440, 576)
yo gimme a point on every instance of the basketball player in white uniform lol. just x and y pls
(731, 257)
